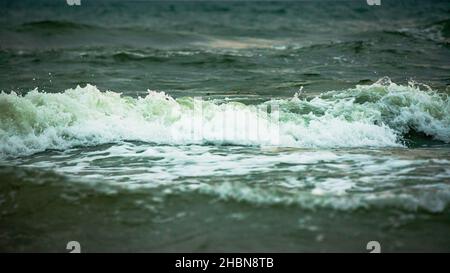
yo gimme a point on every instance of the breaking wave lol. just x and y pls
(377, 115)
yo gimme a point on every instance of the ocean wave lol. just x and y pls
(432, 198)
(308, 179)
(52, 25)
(376, 115)
(438, 32)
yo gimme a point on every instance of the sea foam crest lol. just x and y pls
(373, 115)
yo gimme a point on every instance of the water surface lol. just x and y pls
(99, 139)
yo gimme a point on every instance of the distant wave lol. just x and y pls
(376, 115)
(438, 32)
(49, 25)
(57, 33)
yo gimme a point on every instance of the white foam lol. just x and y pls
(374, 116)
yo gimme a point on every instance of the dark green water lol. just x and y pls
(354, 147)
